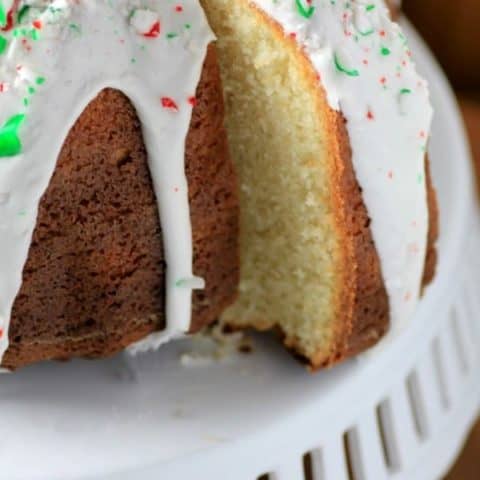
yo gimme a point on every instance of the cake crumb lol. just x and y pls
(215, 344)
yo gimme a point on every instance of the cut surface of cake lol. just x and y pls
(328, 124)
(118, 199)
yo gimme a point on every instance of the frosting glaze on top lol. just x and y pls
(365, 67)
(55, 57)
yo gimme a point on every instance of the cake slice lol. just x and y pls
(328, 123)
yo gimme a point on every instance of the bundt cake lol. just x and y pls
(106, 236)
(120, 223)
(328, 124)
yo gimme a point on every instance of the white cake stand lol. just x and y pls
(401, 413)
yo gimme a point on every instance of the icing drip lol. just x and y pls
(365, 66)
(57, 56)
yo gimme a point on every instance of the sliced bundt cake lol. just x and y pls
(105, 232)
(328, 123)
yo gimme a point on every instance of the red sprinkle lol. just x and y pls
(179, 8)
(382, 33)
(154, 31)
(9, 25)
(1, 332)
(26, 45)
(192, 101)
(390, 174)
(383, 80)
(413, 248)
(370, 115)
(169, 103)
(37, 24)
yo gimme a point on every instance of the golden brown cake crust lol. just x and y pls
(362, 310)
(394, 9)
(369, 319)
(94, 279)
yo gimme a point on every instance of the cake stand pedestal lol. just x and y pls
(401, 412)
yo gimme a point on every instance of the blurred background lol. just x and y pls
(452, 29)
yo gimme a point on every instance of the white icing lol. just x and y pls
(78, 49)
(389, 147)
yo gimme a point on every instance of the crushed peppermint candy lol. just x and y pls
(145, 22)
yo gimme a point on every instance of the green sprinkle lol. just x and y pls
(3, 44)
(405, 91)
(370, 7)
(22, 12)
(347, 71)
(194, 283)
(188, 26)
(3, 15)
(10, 144)
(365, 33)
(385, 51)
(75, 27)
(40, 80)
(172, 35)
(31, 90)
(26, 101)
(305, 12)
